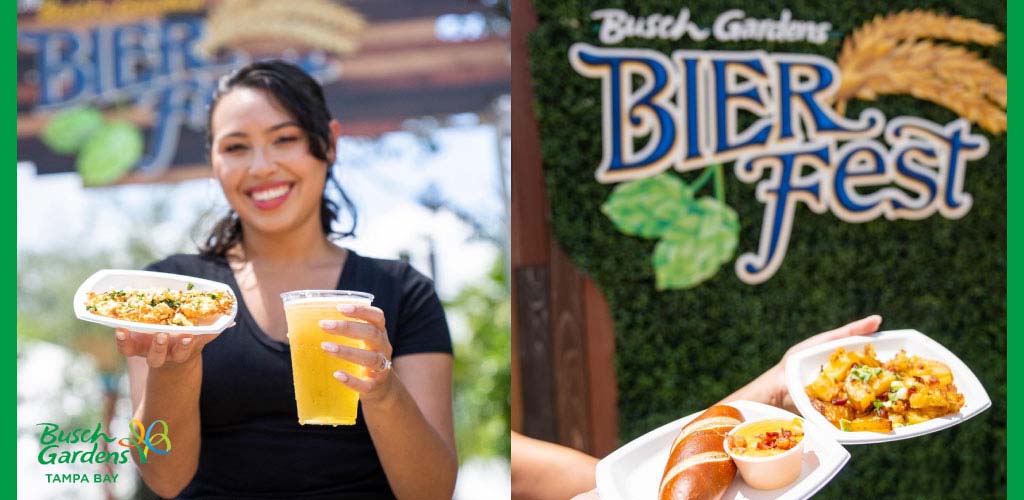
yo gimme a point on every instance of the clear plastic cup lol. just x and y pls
(319, 397)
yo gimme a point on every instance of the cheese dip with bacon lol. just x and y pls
(768, 437)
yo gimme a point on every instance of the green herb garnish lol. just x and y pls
(864, 373)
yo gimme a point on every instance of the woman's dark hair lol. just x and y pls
(303, 98)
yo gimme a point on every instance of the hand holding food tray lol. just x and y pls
(899, 384)
(152, 302)
(887, 386)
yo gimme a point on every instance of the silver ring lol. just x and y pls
(385, 364)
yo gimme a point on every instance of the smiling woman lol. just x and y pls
(230, 398)
(265, 119)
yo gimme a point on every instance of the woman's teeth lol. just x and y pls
(270, 194)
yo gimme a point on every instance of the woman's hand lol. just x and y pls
(376, 357)
(161, 349)
(409, 420)
(770, 387)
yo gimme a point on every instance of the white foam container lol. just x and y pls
(802, 368)
(115, 279)
(633, 472)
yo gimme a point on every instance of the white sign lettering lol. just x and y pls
(730, 26)
(685, 114)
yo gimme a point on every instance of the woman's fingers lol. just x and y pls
(863, 326)
(370, 314)
(373, 332)
(375, 338)
(159, 349)
(125, 345)
(360, 385)
(157, 354)
(182, 349)
(370, 359)
(131, 343)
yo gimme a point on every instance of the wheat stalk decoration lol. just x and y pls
(895, 54)
(323, 24)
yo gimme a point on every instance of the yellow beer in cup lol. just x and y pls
(319, 397)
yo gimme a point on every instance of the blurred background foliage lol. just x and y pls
(48, 279)
(482, 376)
(946, 278)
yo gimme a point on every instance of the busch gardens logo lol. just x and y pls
(59, 446)
(684, 111)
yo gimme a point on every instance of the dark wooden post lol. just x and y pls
(563, 378)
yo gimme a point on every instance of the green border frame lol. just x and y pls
(9, 226)
(1013, 248)
(1014, 312)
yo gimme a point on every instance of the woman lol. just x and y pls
(228, 400)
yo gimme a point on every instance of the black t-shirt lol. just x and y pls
(252, 444)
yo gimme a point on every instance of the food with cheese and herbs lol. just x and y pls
(161, 306)
(857, 392)
(766, 438)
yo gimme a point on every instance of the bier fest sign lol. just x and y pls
(118, 90)
(779, 118)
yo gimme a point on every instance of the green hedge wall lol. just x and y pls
(680, 351)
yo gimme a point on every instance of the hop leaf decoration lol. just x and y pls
(693, 250)
(105, 151)
(69, 129)
(319, 24)
(697, 235)
(110, 153)
(896, 54)
(648, 207)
